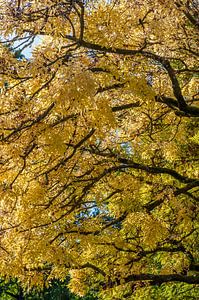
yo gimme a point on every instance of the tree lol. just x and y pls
(99, 146)
(57, 290)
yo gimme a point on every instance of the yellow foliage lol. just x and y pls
(99, 144)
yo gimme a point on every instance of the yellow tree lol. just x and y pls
(99, 144)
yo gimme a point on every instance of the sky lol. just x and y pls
(27, 52)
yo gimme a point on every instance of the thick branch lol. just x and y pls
(192, 111)
(181, 103)
(156, 170)
(125, 106)
(128, 163)
(159, 279)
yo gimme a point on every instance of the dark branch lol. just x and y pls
(159, 279)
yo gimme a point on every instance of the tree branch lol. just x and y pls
(159, 279)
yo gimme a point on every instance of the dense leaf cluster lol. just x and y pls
(99, 146)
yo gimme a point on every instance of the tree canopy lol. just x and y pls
(11, 289)
(99, 146)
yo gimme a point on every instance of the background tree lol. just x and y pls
(99, 146)
(57, 290)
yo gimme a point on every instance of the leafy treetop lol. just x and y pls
(99, 145)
